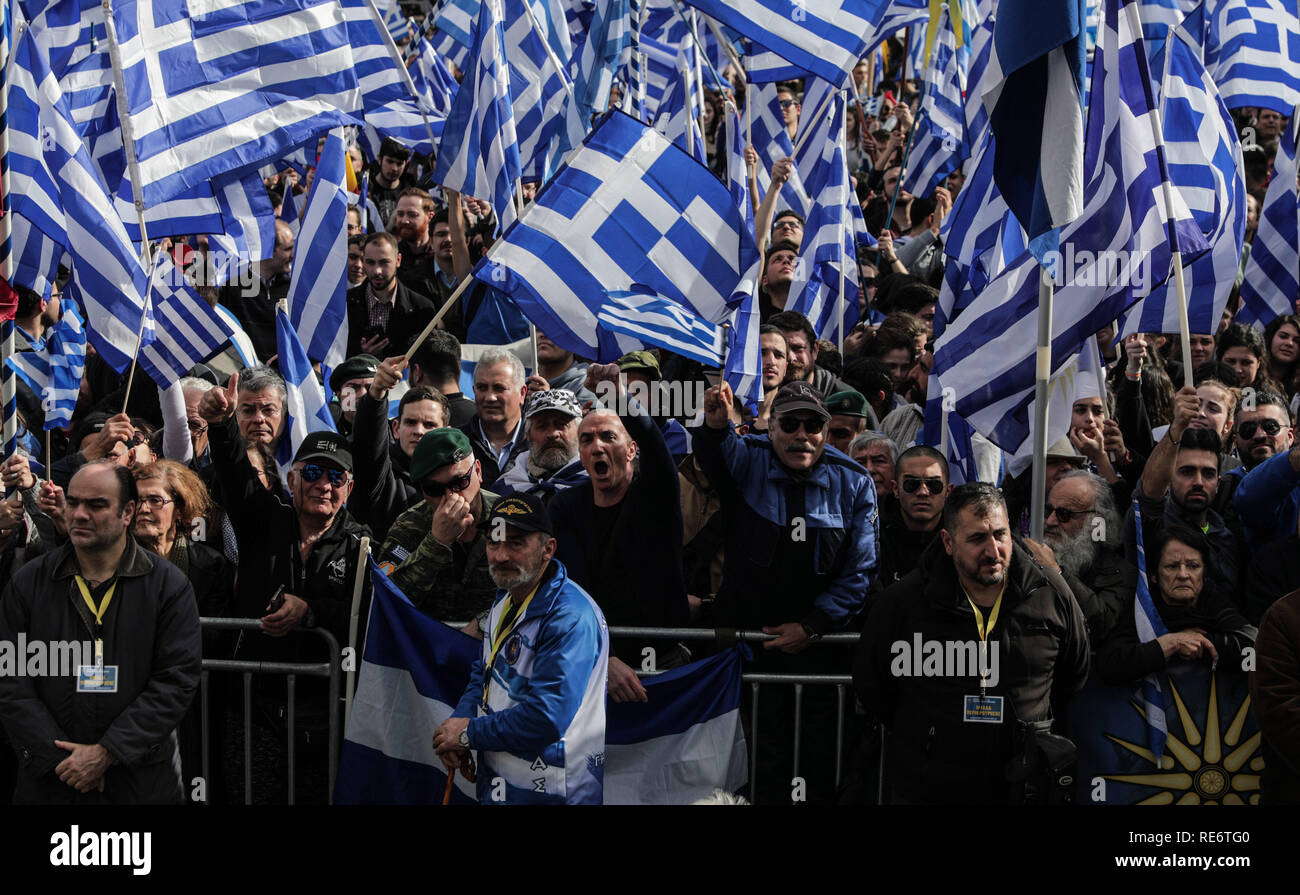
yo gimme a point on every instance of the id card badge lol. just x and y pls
(96, 678)
(983, 710)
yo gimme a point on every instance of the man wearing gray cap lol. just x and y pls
(551, 463)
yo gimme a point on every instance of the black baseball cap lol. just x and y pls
(522, 511)
(799, 396)
(329, 446)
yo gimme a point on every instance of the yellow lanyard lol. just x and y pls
(503, 631)
(984, 632)
(98, 613)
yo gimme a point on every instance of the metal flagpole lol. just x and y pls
(844, 255)
(401, 67)
(133, 168)
(1042, 375)
(8, 382)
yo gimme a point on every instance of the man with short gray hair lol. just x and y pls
(878, 453)
(496, 432)
(1081, 533)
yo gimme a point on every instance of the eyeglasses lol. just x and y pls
(787, 103)
(1270, 427)
(137, 439)
(312, 473)
(156, 502)
(437, 489)
(787, 223)
(810, 424)
(1065, 514)
(911, 484)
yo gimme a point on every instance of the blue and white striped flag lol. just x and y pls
(1252, 50)
(981, 50)
(188, 330)
(826, 39)
(305, 410)
(1204, 159)
(1111, 256)
(433, 79)
(249, 233)
(606, 49)
(1034, 96)
(677, 117)
(772, 143)
(654, 320)
(1273, 269)
(960, 455)
(56, 187)
(54, 370)
(540, 88)
(318, 285)
(215, 88)
(377, 77)
(827, 256)
(1150, 626)
(627, 208)
(479, 152)
(453, 26)
(737, 173)
(34, 258)
(663, 35)
(939, 144)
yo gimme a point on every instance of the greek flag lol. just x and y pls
(939, 144)
(678, 117)
(453, 27)
(641, 314)
(960, 455)
(1273, 269)
(249, 234)
(540, 87)
(1252, 51)
(479, 153)
(1149, 627)
(628, 208)
(663, 34)
(54, 370)
(772, 142)
(827, 39)
(1159, 17)
(34, 258)
(432, 78)
(56, 187)
(827, 257)
(1204, 159)
(318, 285)
(305, 410)
(1034, 90)
(981, 50)
(214, 88)
(378, 79)
(608, 43)
(1110, 257)
(737, 174)
(188, 330)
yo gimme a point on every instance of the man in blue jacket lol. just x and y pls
(534, 710)
(802, 543)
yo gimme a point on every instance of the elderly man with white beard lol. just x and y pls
(1081, 530)
(551, 463)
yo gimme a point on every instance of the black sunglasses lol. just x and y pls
(810, 424)
(1064, 514)
(1270, 427)
(437, 489)
(911, 485)
(311, 473)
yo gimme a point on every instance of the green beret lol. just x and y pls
(439, 448)
(848, 403)
(362, 366)
(640, 362)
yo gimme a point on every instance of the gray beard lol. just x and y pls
(1076, 553)
(548, 462)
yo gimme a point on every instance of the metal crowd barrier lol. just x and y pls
(755, 679)
(248, 667)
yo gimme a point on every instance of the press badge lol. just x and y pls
(96, 678)
(983, 710)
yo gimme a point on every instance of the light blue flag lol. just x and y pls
(1110, 257)
(188, 330)
(54, 369)
(479, 152)
(56, 187)
(1252, 50)
(641, 314)
(208, 90)
(305, 409)
(1273, 269)
(1034, 97)
(318, 286)
(628, 208)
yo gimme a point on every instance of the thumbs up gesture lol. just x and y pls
(218, 404)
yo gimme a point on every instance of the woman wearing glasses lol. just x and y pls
(1203, 625)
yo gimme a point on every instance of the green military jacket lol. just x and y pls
(451, 584)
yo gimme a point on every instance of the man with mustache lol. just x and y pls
(534, 710)
(1267, 497)
(1178, 487)
(801, 547)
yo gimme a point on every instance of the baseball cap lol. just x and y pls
(847, 403)
(799, 396)
(522, 511)
(640, 362)
(329, 446)
(557, 399)
(439, 448)
(361, 366)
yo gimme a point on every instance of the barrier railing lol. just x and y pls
(291, 671)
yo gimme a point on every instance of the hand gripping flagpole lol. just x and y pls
(133, 167)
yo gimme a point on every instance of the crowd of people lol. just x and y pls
(822, 511)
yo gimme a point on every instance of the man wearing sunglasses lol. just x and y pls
(1268, 497)
(911, 523)
(436, 551)
(801, 547)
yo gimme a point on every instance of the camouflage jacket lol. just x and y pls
(449, 584)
